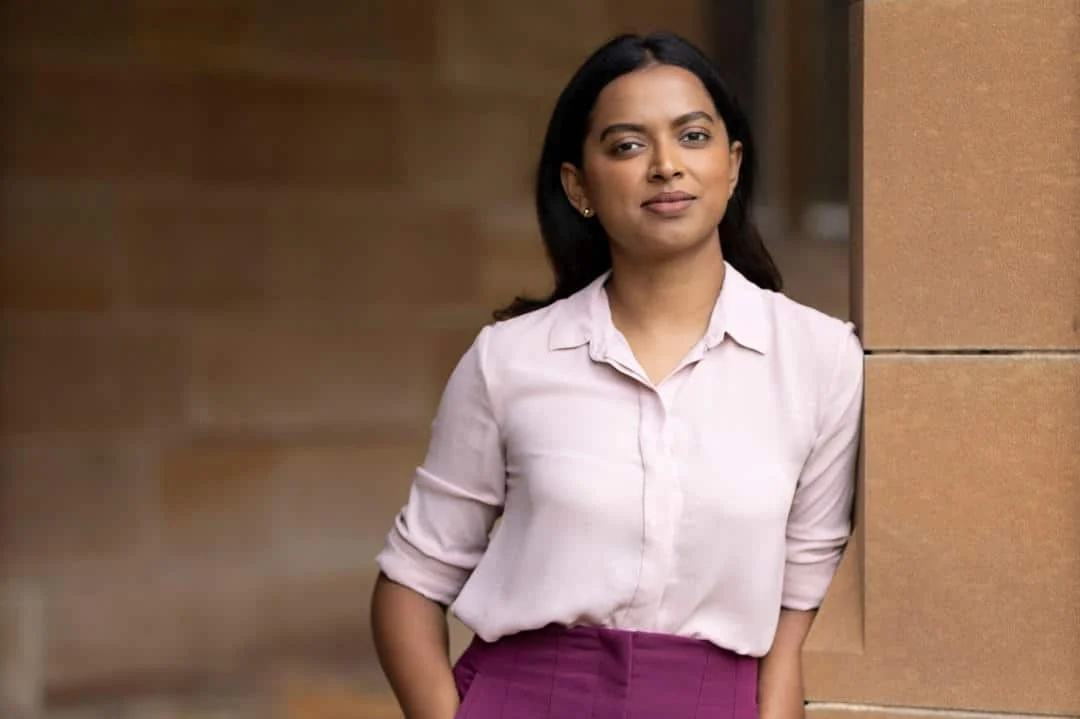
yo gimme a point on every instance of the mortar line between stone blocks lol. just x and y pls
(1032, 353)
(927, 711)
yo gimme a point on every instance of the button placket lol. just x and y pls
(661, 507)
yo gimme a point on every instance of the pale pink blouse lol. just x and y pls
(697, 507)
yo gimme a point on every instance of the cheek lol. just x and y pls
(714, 170)
(716, 178)
(720, 209)
(614, 186)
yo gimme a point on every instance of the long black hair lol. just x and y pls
(577, 247)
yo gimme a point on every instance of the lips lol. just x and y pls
(669, 204)
(668, 198)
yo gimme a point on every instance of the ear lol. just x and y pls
(735, 157)
(573, 183)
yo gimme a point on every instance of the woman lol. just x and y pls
(669, 441)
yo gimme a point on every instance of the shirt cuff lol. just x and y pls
(402, 562)
(805, 585)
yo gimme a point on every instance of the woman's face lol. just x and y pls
(657, 166)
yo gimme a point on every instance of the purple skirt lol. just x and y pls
(594, 673)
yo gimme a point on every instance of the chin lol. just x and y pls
(668, 245)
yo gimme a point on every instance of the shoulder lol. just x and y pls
(508, 336)
(812, 338)
(526, 338)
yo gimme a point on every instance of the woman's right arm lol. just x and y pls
(437, 540)
(413, 645)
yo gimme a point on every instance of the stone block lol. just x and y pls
(969, 124)
(58, 251)
(99, 121)
(275, 131)
(90, 375)
(969, 590)
(307, 374)
(217, 496)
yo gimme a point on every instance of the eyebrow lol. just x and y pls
(677, 122)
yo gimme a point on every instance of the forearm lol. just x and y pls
(412, 641)
(780, 678)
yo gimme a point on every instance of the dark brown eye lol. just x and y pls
(626, 147)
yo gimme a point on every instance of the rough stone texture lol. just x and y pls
(961, 591)
(971, 489)
(970, 174)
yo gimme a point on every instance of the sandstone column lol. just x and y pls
(962, 591)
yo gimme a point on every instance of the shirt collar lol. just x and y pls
(739, 313)
(581, 319)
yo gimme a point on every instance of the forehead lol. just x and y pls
(657, 93)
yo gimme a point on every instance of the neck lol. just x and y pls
(673, 296)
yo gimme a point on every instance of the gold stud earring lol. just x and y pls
(587, 212)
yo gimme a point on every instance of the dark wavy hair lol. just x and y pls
(577, 247)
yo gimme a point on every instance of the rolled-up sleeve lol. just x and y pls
(819, 523)
(457, 493)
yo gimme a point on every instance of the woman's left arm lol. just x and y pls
(818, 528)
(780, 681)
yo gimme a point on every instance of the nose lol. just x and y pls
(666, 165)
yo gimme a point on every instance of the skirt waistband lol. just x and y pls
(599, 673)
